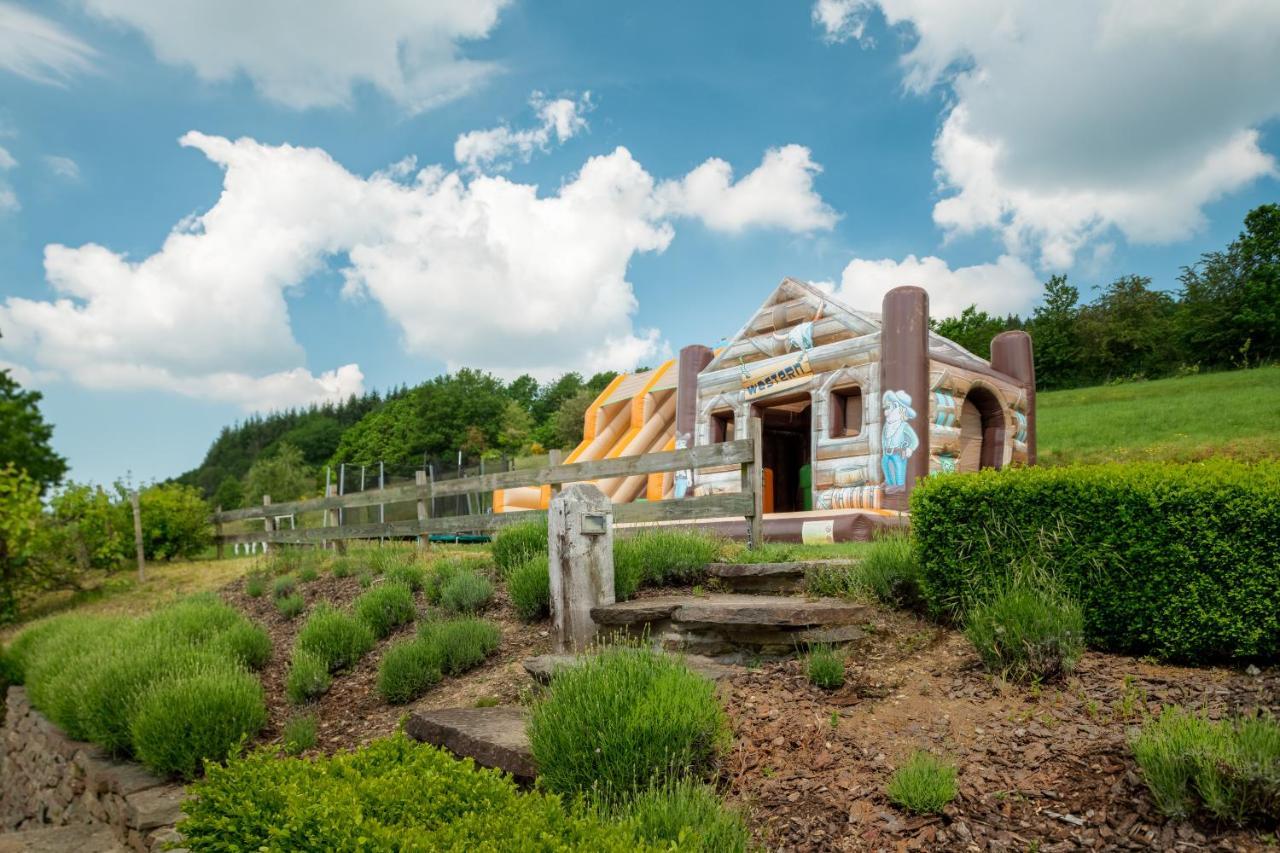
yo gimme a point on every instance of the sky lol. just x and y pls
(211, 209)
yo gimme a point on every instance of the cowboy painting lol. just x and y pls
(898, 440)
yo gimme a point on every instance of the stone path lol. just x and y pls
(81, 838)
(493, 737)
(770, 577)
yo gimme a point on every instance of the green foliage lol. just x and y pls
(923, 785)
(409, 668)
(391, 794)
(620, 720)
(175, 521)
(100, 531)
(308, 677)
(283, 475)
(515, 544)
(661, 556)
(688, 816)
(182, 722)
(974, 329)
(463, 643)
(439, 573)
(255, 584)
(342, 567)
(1231, 768)
(20, 537)
(529, 585)
(284, 585)
(1177, 561)
(466, 592)
(291, 606)
(308, 573)
(385, 607)
(412, 575)
(892, 573)
(337, 638)
(229, 494)
(825, 667)
(248, 643)
(25, 439)
(1028, 632)
(299, 734)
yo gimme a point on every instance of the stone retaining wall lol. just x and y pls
(47, 779)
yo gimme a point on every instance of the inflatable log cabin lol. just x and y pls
(855, 408)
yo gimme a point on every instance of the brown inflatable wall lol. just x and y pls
(1011, 355)
(693, 359)
(904, 367)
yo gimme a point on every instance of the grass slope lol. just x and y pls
(1184, 419)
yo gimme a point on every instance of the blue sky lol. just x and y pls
(589, 186)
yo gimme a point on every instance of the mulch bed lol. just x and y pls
(1047, 769)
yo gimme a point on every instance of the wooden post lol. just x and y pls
(217, 529)
(423, 512)
(137, 535)
(580, 559)
(752, 484)
(268, 523)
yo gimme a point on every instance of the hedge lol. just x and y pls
(1176, 561)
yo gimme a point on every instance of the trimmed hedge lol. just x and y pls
(1179, 561)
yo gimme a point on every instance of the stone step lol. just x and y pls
(720, 624)
(543, 667)
(493, 737)
(80, 837)
(770, 577)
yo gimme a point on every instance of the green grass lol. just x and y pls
(923, 785)
(825, 667)
(1028, 632)
(661, 556)
(688, 816)
(517, 543)
(299, 735)
(255, 585)
(291, 606)
(384, 608)
(464, 643)
(529, 585)
(466, 591)
(1184, 419)
(337, 638)
(308, 677)
(408, 669)
(284, 586)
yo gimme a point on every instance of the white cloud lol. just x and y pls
(482, 272)
(841, 20)
(777, 193)
(63, 167)
(1003, 287)
(1068, 120)
(8, 199)
(34, 47)
(308, 54)
(6, 159)
(495, 148)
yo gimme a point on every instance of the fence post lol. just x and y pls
(580, 559)
(137, 535)
(752, 484)
(268, 523)
(420, 477)
(217, 529)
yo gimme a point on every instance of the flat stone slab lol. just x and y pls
(493, 737)
(543, 667)
(82, 838)
(737, 610)
(792, 569)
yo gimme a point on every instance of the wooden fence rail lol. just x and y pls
(746, 503)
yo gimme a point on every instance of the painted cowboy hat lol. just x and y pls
(898, 398)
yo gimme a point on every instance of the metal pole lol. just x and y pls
(137, 536)
(382, 482)
(342, 489)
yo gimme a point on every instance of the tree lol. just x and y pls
(1055, 338)
(570, 419)
(98, 533)
(230, 493)
(19, 536)
(175, 521)
(974, 329)
(24, 435)
(1128, 331)
(284, 476)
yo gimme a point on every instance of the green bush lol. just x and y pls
(688, 816)
(342, 567)
(384, 608)
(1178, 561)
(308, 573)
(408, 669)
(516, 544)
(661, 556)
(413, 575)
(891, 572)
(255, 584)
(391, 794)
(1231, 767)
(181, 722)
(248, 643)
(337, 638)
(529, 585)
(291, 606)
(308, 677)
(1029, 631)
(923, 785)
(175, 521)
(618, 721)
(299, 735)
(440, 573)
(463, 643)
(366, 578)
(466, 592)
(384, 558)
(825, 667)
(283, 586)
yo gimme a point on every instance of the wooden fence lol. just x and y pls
(747, 503)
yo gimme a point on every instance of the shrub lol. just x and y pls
(285, 585)
(385, 557)
(1230, 767)
(661, 556)
(338, 639)
(341, 567)
(923, 785)
(1178, 561)
(392, 794)
(463, 643)
(891, 572)
(516, 544)
(1028, 632)
(529, 585)
(835, 581)
(687, 816)
(180, 722)
(466, 592)
(825, 667)
(610, 726)
(409, 669)
(413, 575)
(175, 521)
(385, 607)
(366, 578)
(765, 552)
(440, 573)
(247, 643)
(255, 584)
(299, 734)
(308, 677)
(308, 573)
(291, 606)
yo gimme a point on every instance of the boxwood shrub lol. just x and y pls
(1179, 561)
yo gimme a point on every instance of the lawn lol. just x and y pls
(1232, 414)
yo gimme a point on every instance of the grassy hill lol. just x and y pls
(1233, 414)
